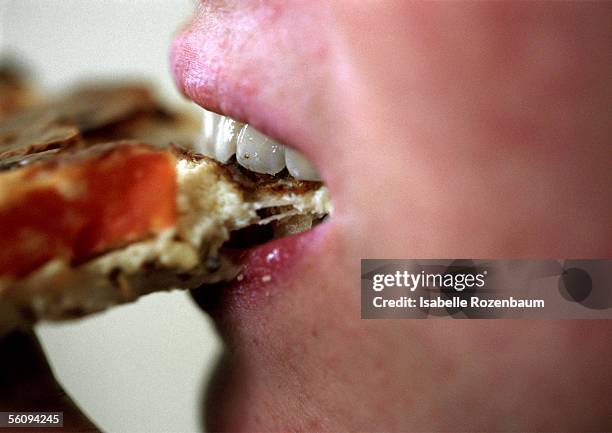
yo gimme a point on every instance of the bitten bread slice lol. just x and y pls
(89, 228)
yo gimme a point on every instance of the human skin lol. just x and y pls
(442, 130)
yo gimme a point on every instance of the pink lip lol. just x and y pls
(265, 269)
(204, 68)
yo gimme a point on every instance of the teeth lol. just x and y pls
(206, 142)
(223, 137)
(227, 138)
(259, 153)
(299, 167)
(219, 136)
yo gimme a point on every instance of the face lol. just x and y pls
(442, 130)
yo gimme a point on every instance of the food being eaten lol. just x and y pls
(93, 221)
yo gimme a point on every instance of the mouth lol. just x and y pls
(270, 252)
(268, 91)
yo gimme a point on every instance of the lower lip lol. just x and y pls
(265, 270)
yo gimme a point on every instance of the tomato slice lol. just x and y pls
(79, 205)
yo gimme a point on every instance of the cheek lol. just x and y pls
(477, 126)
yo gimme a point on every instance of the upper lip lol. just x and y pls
(203, 70)
(217, 64)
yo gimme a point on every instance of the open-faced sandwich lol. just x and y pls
(106, 195)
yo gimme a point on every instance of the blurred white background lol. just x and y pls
(141, 367)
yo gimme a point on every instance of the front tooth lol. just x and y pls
(227, 138)
(259, 153)
(206, 142)
(218, 137)
(299, 167)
